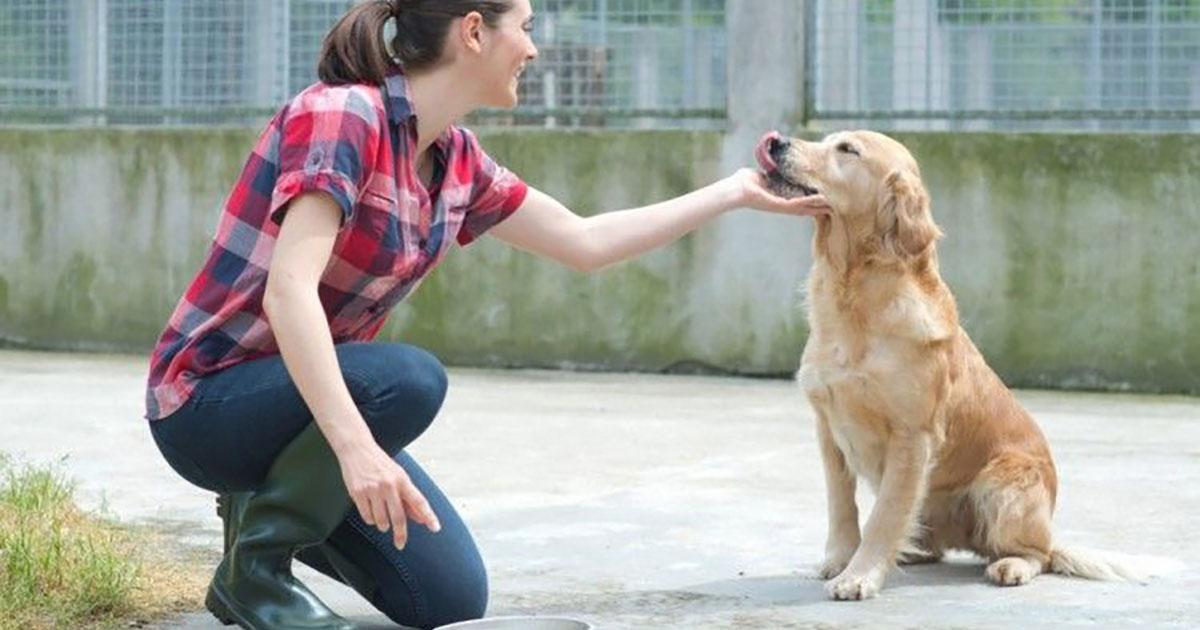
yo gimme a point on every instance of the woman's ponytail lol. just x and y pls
(354, 50)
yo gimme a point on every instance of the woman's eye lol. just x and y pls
(845, 147)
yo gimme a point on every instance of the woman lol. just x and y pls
(263, 387)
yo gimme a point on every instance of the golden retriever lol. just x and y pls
(902, 397)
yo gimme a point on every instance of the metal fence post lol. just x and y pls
(1095, 67)
(1154, 51)
(267, 52)
(550, 78)
(1194, 97)
(977, 92)
(807, 35)
(918, 75)
(688, 98)
(172, 43)
(646, 81)
(89, 57)
(836, 46)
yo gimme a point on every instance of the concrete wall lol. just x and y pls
(1074, 257)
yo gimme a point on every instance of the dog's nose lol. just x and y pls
(776, 145)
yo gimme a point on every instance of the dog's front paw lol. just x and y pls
(854, 586)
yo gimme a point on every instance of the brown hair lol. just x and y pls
(354, 50)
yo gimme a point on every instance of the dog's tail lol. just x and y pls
(1100, 565)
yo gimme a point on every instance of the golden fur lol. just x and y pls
(903, 399)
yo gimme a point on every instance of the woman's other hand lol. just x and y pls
(383, 493)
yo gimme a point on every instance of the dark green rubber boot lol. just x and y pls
(302, 501)
(323, 557)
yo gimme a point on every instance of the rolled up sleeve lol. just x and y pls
(326, 145)
(496, 193)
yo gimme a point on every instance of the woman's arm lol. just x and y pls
(377, 485)
(545, 227)
(302, 251)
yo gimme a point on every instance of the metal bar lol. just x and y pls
(1078, 114)
(689, 55)
(1095, 57)
(1154, 51)
(236, 112)
(810, 47)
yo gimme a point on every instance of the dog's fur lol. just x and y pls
(903, 399)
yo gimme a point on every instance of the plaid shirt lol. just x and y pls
(341, 140)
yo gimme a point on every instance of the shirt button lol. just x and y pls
(422, 243)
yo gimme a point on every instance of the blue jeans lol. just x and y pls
(239, 419)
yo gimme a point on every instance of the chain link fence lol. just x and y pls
(640, 62)
(161, 62)
(898, 64)
(1005, 64)
(604, 62)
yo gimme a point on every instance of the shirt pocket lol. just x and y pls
(378, 201)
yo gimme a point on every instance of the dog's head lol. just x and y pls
(865, 177)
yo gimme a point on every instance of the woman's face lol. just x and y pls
(509, 47)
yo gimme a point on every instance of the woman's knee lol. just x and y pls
(462, 598)
(398, 387)
(421, 387)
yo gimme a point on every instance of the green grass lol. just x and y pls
(64, 568)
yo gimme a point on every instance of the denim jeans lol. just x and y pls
(239, 419)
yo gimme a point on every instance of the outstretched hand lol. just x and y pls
(751, 186)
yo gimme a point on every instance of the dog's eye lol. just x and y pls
(846, 147)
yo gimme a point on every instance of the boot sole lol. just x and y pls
(227, 614)
(216, 605)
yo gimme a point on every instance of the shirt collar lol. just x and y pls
(400, 107)
(399, 96)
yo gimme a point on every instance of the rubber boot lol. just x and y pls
(323, 557)
(302, 500)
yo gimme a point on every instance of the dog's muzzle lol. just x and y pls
(771, 154)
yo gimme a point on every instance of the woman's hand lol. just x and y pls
(750, 190)
(383, 492)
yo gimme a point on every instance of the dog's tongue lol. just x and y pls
(763, 152)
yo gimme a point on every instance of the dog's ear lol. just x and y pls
(904, 221)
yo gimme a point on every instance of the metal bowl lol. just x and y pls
(520, 623)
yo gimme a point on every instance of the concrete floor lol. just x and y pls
(638, 501)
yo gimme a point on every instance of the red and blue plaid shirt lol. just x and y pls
(338, 140)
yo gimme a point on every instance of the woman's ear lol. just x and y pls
(471, 31)
(904, 221)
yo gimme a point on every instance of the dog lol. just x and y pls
(903, 399)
